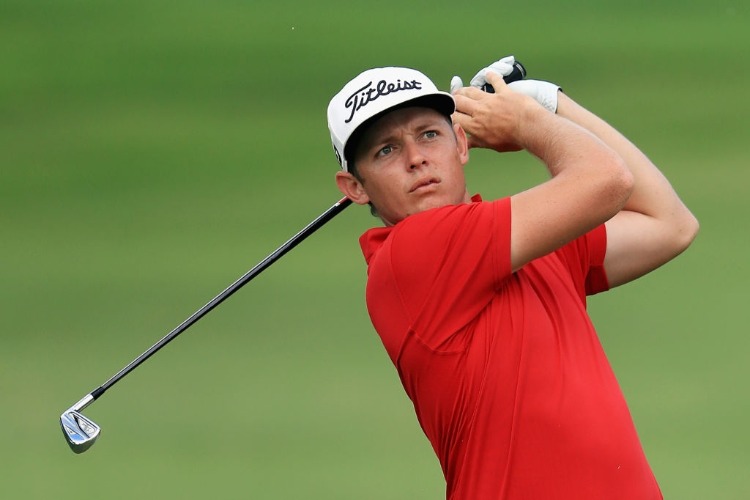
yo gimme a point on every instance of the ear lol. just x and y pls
(352, 188)
(462, 143)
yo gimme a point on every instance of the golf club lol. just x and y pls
(81, 433)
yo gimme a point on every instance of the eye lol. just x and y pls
(384, 151)
(431, 134)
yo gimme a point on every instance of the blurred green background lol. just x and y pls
(151, 152)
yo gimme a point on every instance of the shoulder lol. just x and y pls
(452, 235)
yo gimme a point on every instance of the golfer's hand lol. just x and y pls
(497, 121)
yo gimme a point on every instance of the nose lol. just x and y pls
(415, 156)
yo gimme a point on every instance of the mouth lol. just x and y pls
(424, 184)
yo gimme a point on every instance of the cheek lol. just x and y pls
(385, 195)
(388, 196)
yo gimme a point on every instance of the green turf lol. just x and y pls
(154, 151)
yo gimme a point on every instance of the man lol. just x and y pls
(481, 305)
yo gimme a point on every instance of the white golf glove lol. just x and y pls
(545, 93)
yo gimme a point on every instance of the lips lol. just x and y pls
(423, 183)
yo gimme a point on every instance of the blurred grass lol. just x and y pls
(152, 152)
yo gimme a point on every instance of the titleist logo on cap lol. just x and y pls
(370, 92)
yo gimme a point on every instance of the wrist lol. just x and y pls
(566, 107)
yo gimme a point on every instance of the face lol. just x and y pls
(409, 161)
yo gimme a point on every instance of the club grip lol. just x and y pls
(518, 73)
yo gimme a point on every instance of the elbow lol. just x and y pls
(685, 231)
(678, 232)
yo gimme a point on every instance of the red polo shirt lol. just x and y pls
(506, 373)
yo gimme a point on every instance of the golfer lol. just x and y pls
(481, 304)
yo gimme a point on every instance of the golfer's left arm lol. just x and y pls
(654, 226)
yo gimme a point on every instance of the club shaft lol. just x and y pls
(313, 226)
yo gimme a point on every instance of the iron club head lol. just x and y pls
(79, 431)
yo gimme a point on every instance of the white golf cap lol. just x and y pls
(374, 92)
